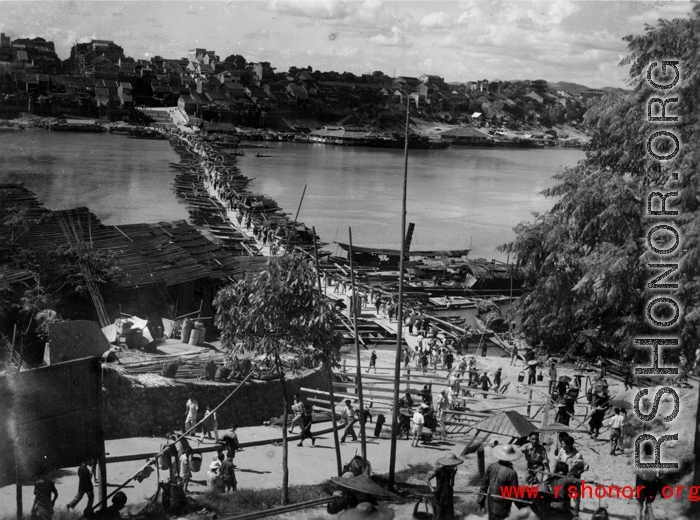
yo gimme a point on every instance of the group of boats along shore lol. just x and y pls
(467, 300)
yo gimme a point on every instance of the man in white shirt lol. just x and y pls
(418, 422)
(616, 423)
(297, 408)
(191, 410)
(350, 417)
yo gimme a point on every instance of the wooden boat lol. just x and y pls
(262, 155)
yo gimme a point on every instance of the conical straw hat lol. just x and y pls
(450, 460)
(507, 452)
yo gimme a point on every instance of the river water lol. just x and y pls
(456, 197)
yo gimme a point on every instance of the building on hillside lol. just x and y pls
(39, 54)
(5, 48)
(261, 72)
(124, 93)
(95, 56)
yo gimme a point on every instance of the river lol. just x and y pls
(457, 197)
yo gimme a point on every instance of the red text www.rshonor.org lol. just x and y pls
(598, 491)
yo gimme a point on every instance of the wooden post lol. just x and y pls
(18, 487)
(353, 300)
(399, 316)
(481, 461)
(528, 403)
(102, 472)
(336, 441)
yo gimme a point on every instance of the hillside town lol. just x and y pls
(98, 80)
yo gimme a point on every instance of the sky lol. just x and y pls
(459, 40)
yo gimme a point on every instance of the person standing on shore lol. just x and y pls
(215, 484)
(536, 458)
(498, 475)
(497, 379)
(297, 409)
(210, 424)
(373, 361)
(185, 468)
(532, 373)
(444, 473)
(649, 481)
(349, 416)
(513, 354)
(418, 422)
(552, 377)
(45, 495)
(84, 487)
(231, 441)
(485, 383)
(390, 311)
(443, 404)
(306, 422)
(616, 423)
(228, 473)
(191, 413)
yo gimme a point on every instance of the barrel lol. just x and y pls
(186, 330)
(202, 334)
(194, 337)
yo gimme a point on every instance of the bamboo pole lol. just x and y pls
(353, 306)
(336, 440)
(399, 325)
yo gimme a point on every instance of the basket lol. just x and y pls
(540, 376)
(170, 369)
(521, 377)
(427, 514)
(196, 462)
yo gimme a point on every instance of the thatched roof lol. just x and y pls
(75, 340)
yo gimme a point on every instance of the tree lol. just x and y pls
(280, 315)
(586, 260)
(238, 61)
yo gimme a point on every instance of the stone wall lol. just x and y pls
(130, 411)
